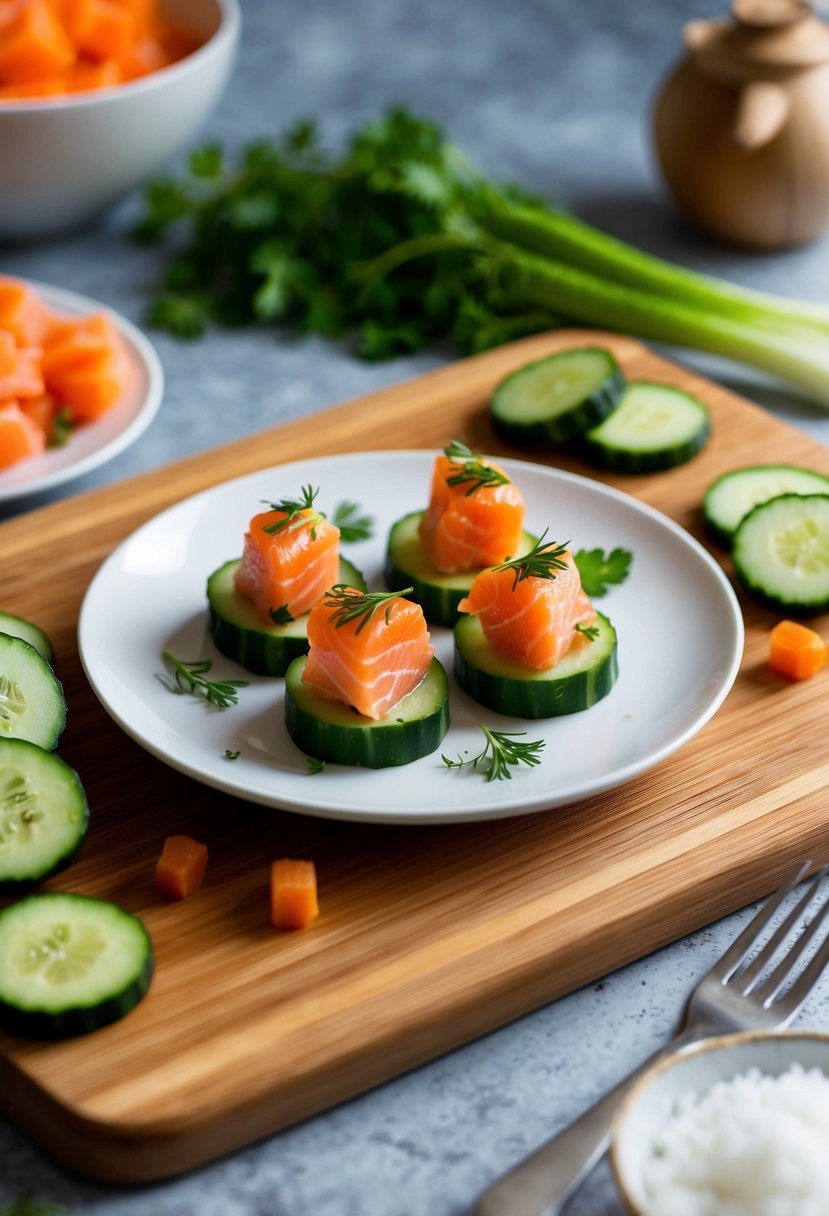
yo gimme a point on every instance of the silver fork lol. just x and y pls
(738, 993)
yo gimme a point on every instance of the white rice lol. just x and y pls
(753, 1146)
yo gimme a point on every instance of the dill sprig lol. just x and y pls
(542, 561)
(471, 469)
(350, 605)
(292, 518)
(188, 677)
(500, 751)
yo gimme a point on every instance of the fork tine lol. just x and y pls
(794, 1000)
(738, 951)
(787, 965)
(749, 978)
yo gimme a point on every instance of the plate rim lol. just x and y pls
(507, 808)
(145, 354)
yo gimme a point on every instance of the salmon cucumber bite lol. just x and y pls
(370, 691)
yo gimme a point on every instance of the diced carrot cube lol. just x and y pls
(796, 651)
(181, 867)
(293, 893)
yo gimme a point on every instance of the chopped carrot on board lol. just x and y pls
(181, 867)
(293, 893)
(796, 651)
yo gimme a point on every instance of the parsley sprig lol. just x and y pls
(544, 560)
(292, 517)
(501, 751)
(189, 677)
(350, 605)
(353, 526)
(598, 570)
(22, 1204)
(469, 469)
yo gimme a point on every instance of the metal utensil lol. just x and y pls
(738, 993)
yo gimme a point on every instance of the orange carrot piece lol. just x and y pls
(181, 867)
(293, 893)
(19, 436)
(796, 651)
(34, 45)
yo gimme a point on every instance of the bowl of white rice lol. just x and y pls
(735, 1126)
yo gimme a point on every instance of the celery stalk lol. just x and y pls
(567, 239)
(587, 298)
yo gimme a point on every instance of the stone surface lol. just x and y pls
(554, 95)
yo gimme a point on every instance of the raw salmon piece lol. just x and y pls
(101, 29)
(20, 374)
(19, 436)
(93, 387)
(43, 411)
(292, 567)
(34, 45)
(22, 313)
(370, 664)
(465, 530)
(72, 341)
(531, 621)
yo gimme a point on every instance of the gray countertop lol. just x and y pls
(554, 95)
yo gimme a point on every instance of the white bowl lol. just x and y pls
(64, 159)
(643, 1112)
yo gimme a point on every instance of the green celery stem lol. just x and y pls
(567, 239)
(589, 299)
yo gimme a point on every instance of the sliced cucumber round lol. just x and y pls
(558, 397)
(240, 633)
(730, 498)
(655, 427)
(584, 676)
(69, 964)
(329, 730)
(32, 705)
(781, 552)
(407, 566)
(43, 814)
(18, 627)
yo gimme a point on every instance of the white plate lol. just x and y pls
(92, 445)
(679, 626)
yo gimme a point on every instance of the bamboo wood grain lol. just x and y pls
(427, 936)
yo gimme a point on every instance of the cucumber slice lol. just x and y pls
(583, 677)
(332, 731)
(557, 397)
(18, 627)
(730, 498)
(240, 633)
(69, 964)
(407, 566)
(32, 704)
(43, 814)
(781, 552)
(655, 427)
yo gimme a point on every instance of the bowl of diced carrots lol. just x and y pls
(96, 96)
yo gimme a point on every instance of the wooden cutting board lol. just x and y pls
(428, 936)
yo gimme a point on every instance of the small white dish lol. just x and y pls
(92, 445)
(649, 1104)
(64, 159)
(678, 622)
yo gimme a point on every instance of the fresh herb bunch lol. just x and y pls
(501, 750)
(470, 469)
(400, 241)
